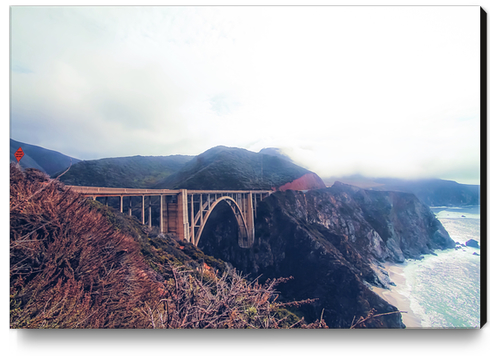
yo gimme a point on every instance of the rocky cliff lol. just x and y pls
(328, 240)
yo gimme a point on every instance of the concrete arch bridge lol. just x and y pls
(184, 212)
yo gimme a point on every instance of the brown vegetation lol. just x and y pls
(225, 301)
(68, 267)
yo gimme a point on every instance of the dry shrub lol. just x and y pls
(226, 301)
(68, 267)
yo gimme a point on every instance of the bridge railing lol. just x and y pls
(120, 191)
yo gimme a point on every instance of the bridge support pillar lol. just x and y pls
(149, 212)
(163, 214)
(250, 217)
(143, 209)
(182, 216)
(191, 237)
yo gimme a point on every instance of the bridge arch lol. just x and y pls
(245, 238)
(177, 208)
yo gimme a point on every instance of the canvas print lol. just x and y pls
(246, 167)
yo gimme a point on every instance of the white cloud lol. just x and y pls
(378, 90)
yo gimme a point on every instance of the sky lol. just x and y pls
(379, 91)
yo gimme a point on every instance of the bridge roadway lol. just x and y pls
(185, 212)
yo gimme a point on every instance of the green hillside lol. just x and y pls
(124, 172)
(233, 168)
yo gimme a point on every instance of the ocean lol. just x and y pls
(444, 290)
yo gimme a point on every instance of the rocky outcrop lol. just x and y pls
(328, 240)
(472, 243)
(305, 182)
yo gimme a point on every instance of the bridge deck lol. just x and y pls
(103, 191)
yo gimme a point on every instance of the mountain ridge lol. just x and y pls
(43, 159)
(431, 191)
(124, 172)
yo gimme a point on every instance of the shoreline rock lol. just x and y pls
(472, 243)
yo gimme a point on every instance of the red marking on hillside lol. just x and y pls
(19, 154)
(305, 182)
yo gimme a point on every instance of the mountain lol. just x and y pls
(47, 161)
(124, 172)
(236, 168)
(433, 192)
(332, 242)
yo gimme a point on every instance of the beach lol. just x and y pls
(397, 295)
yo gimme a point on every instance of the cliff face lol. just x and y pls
(327, 240)
(388, 226)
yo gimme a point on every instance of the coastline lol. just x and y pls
(398, 296)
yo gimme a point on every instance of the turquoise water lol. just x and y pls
(444, 290)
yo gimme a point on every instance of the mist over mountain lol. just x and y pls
(236, 168)
(47, 161)
(273, 151)
(433, 192)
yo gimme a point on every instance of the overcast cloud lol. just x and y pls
(381, 91)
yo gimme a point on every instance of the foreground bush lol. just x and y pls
(226, 301)
(68, 267)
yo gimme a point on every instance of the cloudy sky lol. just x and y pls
(380, 91)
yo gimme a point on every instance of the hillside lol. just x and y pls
(47, 161)
(433, 192)
(124, 172)
(235, 168)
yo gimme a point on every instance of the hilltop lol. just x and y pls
(236, 168)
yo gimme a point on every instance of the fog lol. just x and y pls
(378, 91)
